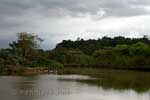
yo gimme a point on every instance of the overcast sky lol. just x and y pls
(55, 20)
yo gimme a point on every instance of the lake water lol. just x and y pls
(74, 87)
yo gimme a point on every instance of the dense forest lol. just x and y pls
(106, 52)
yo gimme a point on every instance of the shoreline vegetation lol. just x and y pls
(23, 57)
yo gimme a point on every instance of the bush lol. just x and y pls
(53, 64)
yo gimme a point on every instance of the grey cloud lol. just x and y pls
(24, 15)
(13, 7)
(73, 7)
(111, 7)
(140, 2)
(125, 12)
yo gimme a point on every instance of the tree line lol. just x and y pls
(107, 52)
(88, 46)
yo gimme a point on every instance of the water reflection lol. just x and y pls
(24, 88)
(110, 86)
(119, 80)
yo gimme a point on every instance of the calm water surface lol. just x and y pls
(71, 87)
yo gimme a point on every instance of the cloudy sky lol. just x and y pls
(55, 20)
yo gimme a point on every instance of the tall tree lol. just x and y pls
(27, 43)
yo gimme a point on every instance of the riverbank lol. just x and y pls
(110, 66)
(21, 71)
(67, 69)
(112, 78)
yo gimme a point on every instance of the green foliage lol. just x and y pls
(117, 52)
(26, 45)
(91, 45)
(53, 64)
(71, 56)
(122, 49)
(139, 49)
(104, 56)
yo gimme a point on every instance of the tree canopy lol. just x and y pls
(117, 52)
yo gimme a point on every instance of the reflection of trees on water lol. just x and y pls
(119, 80)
